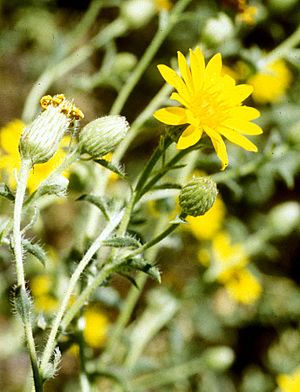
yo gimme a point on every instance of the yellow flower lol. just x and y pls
(96, 327)
(10, 158)
(46, 304)
(163, 5)
(212, 104)
(227, 265)
(271, 83)
(41, 285)
(247, 15)
(289, 382)
(206, 226)
(243, 286)
(227, 257)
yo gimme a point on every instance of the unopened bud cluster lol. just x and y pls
(198, 196)
(101, 136)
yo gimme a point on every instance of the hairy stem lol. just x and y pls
(73, 281)
(18, 252)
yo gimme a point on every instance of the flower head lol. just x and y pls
(40, 140)
(10, 157)
(271, 83)
(212, 103)
(289, 382)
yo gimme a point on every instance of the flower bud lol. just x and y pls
(284, 218)
(124, 63)
(40, 139)
(218, 30)
(102, 135)
(219, 358)
(137, 13)
(198, 196)
(57, 186)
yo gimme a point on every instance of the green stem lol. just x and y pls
(18, 252)
(73, 281)
(67, 162)
(85, 23)
(282, 50)
(154, 241)
(149, 167)
(110, 32)
(129, 304)
(85, 294)
(168, 376)
(150, 52)
(163, 171)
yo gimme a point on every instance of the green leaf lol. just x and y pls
(167, 185)
(138, 263)
(122, 242)
(6, 192)
(22, 303)
(110, 166)
(36, 250)
(98, 201)
(130, 278)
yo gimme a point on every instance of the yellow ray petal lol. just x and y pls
(180, 99)
(214, 67)
(245, 127)
(241, 92)
(246, 113)
(171, 115)
(185, 71)
(197, 67)
(189, 137)
(173, 79)
(238, 139)
(219, 146)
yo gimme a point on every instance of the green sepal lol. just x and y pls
(22, 303)
(6, 192)
(98, 201)
(110, 166)
(36, 250)
(122, 242)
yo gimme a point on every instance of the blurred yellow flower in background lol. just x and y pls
(227, 264)
(271, 83)
(289, 382)
(204, 227)
(96, 327)
(243, 286)
(212, 104)
(163, 5)
(40, 287)
(10, 158)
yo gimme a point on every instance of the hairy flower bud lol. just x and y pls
(198, 196)
(41, 138)
(137, 13)
(102, 135)
(284, 218)
(219, 358)
(218, 30)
